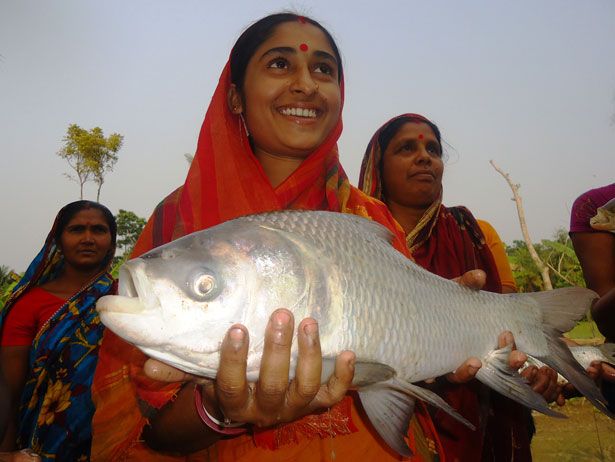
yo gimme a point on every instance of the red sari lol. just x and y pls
(449, 242)
(226, 181)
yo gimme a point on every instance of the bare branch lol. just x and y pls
(544, 269)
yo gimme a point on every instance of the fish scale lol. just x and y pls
(403, 323)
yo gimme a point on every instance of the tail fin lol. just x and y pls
(562, 308)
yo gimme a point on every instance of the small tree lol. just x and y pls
(90, 154)
(105, 158)
(129, 227)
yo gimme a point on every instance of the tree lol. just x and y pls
(544, 269)
(129, 227)
(556, 253)
(105, 159)
(90, 154)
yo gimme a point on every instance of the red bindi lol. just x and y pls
(420, 136)
(303, 47)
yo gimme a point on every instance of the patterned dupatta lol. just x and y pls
(56, 407)
(225, 181)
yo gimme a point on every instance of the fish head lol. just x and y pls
(177, 301)
(604, 220)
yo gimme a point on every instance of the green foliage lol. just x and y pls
(557, 253)
(585, 330)
(129, 227)
(90, 154)
(8, 279)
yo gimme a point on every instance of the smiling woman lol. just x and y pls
(50, 334)
(268, 143)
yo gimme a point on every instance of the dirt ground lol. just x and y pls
(587, 435)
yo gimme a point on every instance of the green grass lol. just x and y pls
(585, 330)
(586, 435)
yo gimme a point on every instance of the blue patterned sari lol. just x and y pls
(56, 407)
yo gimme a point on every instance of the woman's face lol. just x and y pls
(291, 94)
(86, 240)
(412, 167)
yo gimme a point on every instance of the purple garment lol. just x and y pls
(586, 205)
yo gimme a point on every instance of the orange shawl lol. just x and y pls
(226, 181)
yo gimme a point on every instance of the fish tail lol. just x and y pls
(562, 308)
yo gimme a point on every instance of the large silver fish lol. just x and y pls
(404, 324)
(604, 220)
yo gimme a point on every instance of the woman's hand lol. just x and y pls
(544, 382)
(272, 399)
(598, 371)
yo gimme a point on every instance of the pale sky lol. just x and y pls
(530, 84)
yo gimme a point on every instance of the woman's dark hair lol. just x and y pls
(70, 210)
(261, 30)
(387, 134)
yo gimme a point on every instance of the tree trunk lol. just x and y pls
(98, 192)
(544, 269)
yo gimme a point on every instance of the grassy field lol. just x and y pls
(587, 435)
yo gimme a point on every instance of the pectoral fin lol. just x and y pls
(390, 405)
(389, 411)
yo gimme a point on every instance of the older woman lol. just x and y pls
(50, 333)
(403, 167)
(268, 142)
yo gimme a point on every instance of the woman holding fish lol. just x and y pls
(403, 166)
(592, 232)
(51, 333)
(268, 143)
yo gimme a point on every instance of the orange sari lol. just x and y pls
(226, 181)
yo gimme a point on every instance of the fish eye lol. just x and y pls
(202, 284)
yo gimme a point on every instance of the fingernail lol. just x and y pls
(280, 319)
(236, 337)
(311, 328)
(473, 369)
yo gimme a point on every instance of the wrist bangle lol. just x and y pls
(224, 428)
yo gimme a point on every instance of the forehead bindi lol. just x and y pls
(87, 217)
(306, 38)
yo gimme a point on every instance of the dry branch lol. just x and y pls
(544, 269)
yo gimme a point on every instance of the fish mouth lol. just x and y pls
(127, 287)
(134, 281)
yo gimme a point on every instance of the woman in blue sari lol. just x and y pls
(50, 334)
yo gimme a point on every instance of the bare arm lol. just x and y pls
(596, 253)
(14, 364)
(5, 404)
